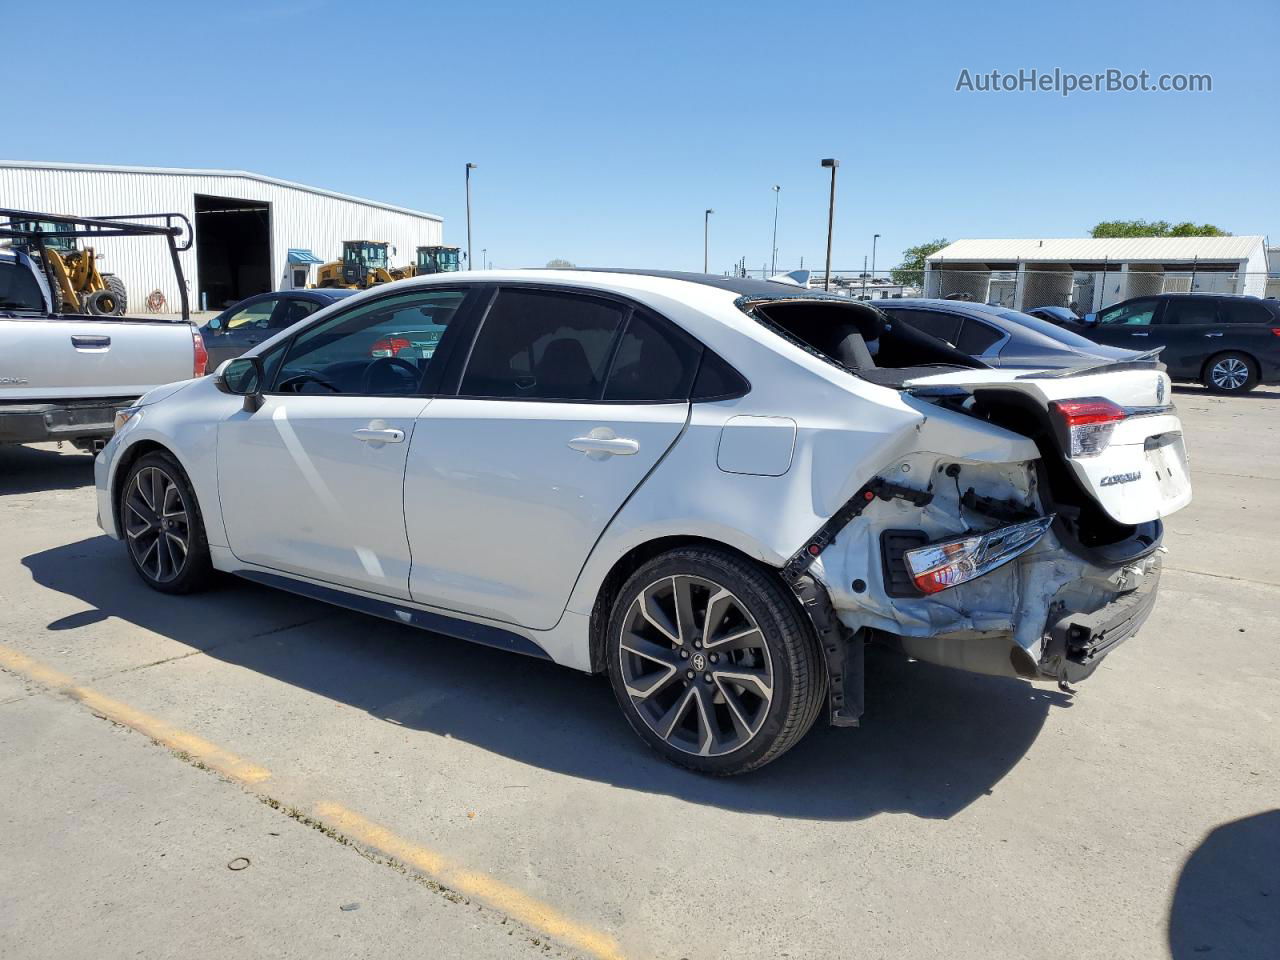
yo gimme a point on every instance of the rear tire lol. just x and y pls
(713, 661)
(1230, 372)
(118, 293)
(163, 527)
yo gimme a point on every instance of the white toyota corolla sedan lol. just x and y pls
(715, 491)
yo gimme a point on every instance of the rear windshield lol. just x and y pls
(858, 338)
(18, 287)
(1044, 327)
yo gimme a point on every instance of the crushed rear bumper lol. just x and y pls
(59, 420)
(1076, 642)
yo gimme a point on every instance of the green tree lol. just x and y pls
(1155, 228)
(910, 272)
(559, 264)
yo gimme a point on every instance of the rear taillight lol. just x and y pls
(938, 566)
(1276, 331)
(389, 347)
(1087, 424)
(200, 358)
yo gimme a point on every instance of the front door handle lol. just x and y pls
(374, 435)
(1141, 333)
(1218, 334)
(605, 446)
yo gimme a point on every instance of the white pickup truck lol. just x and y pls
(64, 377)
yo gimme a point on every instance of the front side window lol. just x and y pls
(541, 345)
(1135, 313)
(1193, 310)
(256, 316)
(383, 348)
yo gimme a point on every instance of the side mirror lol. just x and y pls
(1090, 320)
(242, 377)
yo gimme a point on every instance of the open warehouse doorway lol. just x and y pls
(233, 250)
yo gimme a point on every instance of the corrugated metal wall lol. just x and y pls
(299, 218)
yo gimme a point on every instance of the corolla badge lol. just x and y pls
(1115, 478)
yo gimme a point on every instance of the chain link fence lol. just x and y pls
(1084, 291)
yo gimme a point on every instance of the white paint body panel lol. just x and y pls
(75, 359)
(502, 512)
(301, 494)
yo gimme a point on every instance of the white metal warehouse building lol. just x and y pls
(252, 232)
(1091, 273)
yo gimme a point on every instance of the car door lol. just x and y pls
(235, 331)
(1190, 330)
(566, 403)
(1131, 324)
(312, 483)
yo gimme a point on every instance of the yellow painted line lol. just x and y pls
(211, 755)
(480, 886)
(477, 885)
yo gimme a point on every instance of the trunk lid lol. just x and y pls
(1138, 472)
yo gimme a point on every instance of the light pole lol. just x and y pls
(471, 265)
(484, 257)
(874, 238)
(833, 163)
(773, 256)
(706, 235)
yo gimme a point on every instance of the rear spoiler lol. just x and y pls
(1143, 361)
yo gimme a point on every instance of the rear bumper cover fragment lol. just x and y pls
(1079, 641)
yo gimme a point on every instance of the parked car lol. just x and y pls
(705, 488)
(62, 377)
(1229, 343)
(1058, 316)
(254, 319)
(999, 336)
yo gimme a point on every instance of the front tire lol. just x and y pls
(1230, 372)
(162, 525)
(713, 662)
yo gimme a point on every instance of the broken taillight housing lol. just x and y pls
(1087, 424)
(938, 566)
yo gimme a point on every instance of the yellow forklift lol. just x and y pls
(364, 264)
(75, 283)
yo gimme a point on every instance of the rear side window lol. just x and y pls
(540, 345)
(717, 380)
(19, 290)
(976, 336)
(1243, 311)
(291, 311)
(944, 326)
(1193, 310)
(654, 362)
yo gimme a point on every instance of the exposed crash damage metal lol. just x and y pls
(995, 623)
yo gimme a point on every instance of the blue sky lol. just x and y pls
(602, 132)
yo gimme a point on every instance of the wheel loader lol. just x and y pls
(75, 282)
(435, 260)
(364, 264)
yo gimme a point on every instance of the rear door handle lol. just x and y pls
(1218, 334)
(90, 343)
(374, 435)
(605, 446)
(1142, 333)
